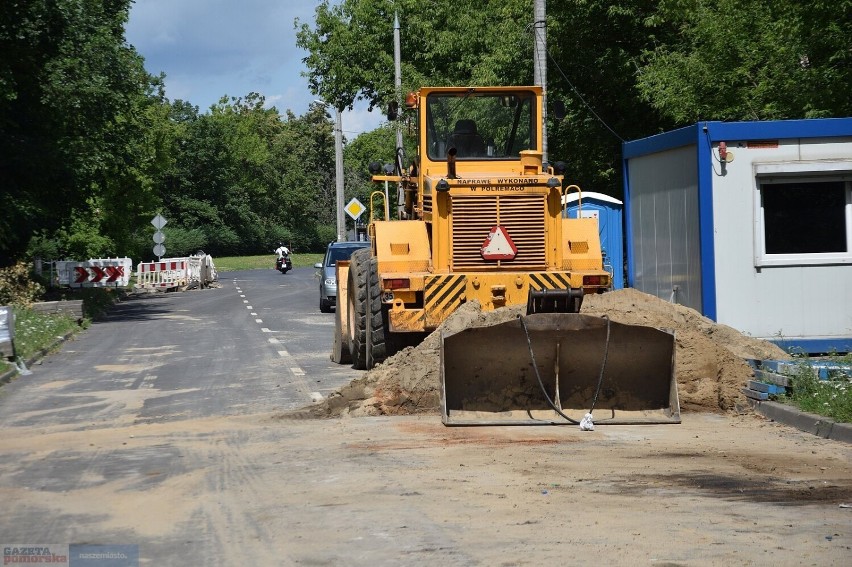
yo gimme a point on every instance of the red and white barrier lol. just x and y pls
(101, 272)
(172, 273)
(165, 274)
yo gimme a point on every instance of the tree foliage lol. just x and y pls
(73, 97)
(594, 49)
(624, 70)
(756, 60)
(91, 149)
(350, 46)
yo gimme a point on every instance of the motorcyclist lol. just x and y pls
(283, 254)
(282, 250)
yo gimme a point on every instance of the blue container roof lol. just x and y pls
(723, 131)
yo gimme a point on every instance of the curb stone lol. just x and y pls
(808, 422)
(7, 376)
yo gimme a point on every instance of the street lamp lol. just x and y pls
(338, 169)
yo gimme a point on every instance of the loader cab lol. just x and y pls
(477, 124)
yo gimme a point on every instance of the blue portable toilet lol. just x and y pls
(609, 212)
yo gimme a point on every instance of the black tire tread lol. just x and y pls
(357, 297)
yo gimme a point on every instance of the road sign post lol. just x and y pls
(159, 250)
(355, 208)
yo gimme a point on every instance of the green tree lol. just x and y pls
(307, 199)
(223, 180)
(350, 46)
(73, 100)
(754, 60)
(243, 177)
(594, 49)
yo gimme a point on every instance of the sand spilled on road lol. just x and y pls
(710, 368)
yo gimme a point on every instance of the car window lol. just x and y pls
(340, 253)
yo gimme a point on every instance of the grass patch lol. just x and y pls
(830, 398)
(263, 262)
(35, 331)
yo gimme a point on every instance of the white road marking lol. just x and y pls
(297, 371)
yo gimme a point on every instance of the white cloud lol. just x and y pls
(212, 48)
(359, 120)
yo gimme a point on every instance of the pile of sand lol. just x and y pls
(710, 366)
(709, 357)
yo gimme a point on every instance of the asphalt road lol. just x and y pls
(258, 343)
(161, 427)
(255, 345)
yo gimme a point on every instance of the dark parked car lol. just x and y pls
(327, 276)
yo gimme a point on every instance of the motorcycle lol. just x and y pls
(284, 264)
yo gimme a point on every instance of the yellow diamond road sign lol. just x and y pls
(355, 209)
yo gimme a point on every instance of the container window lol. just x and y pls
(804, 221)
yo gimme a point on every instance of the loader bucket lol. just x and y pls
(488, 377)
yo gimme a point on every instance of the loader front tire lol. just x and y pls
(366, 322)
(377, 337)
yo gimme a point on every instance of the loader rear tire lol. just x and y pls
(366, 321)
(340, 346)
(355, 310)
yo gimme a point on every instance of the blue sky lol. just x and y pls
(211, 48)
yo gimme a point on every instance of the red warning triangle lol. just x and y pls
(498, 245)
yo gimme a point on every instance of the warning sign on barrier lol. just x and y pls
(101, 272)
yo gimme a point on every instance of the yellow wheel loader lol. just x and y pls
(480, 218)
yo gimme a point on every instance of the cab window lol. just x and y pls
(480, 125)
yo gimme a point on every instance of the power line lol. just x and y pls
(535, 30)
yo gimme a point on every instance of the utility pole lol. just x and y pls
(540, 69)
(397, 65)
(338, 168)
(400, 155)
(338, 174)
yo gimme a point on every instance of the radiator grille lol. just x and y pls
(427, 205)
(473, 216)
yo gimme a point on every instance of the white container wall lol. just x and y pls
(664, 217)
(761, 241)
